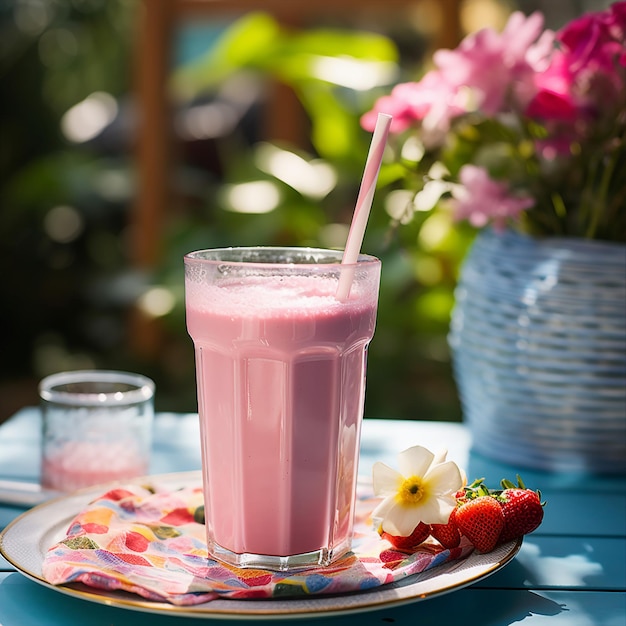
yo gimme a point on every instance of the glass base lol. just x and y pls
(317, 558)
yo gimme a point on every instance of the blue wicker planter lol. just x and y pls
(538, 339)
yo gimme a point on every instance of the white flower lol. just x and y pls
(422, 491)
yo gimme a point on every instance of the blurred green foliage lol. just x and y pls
(66, 301)
(53, 54)
(409, 367)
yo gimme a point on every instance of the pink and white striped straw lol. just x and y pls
(363, 203)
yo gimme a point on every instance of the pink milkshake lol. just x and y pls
(281, 383)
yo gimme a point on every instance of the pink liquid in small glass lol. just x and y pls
(281, 383)
(77, 464)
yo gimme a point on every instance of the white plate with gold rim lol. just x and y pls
(26, 540)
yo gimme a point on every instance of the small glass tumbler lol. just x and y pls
(97, 427)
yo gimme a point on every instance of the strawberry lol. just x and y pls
(481, 520)
(487, 517)
(522, 511)
(448, 535)
(406, 544)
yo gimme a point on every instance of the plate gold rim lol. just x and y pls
(252, 609)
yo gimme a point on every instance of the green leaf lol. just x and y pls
(257, 41)
(390, 173)
(248, 43)
(344, 43)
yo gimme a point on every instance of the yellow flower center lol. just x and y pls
(411, 491)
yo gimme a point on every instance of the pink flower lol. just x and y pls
(482, 73)
(586, 74)
(400, 109)
(595, 42)
(496, 66)
(412, 102)
(554, 98)
(481, 200)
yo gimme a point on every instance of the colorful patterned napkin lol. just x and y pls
(151, 542)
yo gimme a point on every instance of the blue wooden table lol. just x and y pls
(570, 572)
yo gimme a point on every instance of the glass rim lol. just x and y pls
(196, 257)
(142, 388)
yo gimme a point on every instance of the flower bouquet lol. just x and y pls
(526, 127)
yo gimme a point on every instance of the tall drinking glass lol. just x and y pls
(280, 365)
